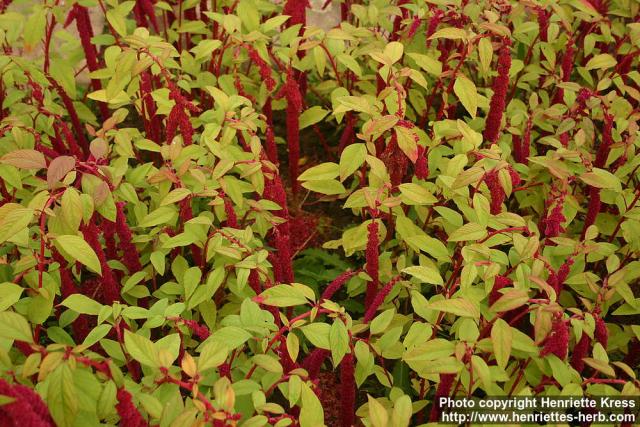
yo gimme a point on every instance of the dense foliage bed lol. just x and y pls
(213, 214)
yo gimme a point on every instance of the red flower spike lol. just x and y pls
(497, 192)
(337, 284)
(498, 100)
(543, 22)
(557, 342)
(434, 21)
(110, 288)
(379, 299)
(109, 232)
(421, 167)
(580, 351)
(313, 362)
(26, 410)
(297, 10)
(601, 332)
(232, 218)
(371, 255)
(263, 67)
(444, 389)
(129, 415)
(347, 390)
(130, 257)
(413, 28)
(201, 331)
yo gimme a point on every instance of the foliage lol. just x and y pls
(459, 190)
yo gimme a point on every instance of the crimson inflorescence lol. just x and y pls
(347, 390)
(26, 410)
(129, 414)
(371, 255)
(110, 287)
(557, 342)
(498, 99)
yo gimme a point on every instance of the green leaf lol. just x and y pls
(352, 157)
(323, 171)
(427, 63)
(96, 334)
(450, 33)
(13, 219)
(35, 27)
(511, 299)
(350, 63)
(82, 304)
(485, 52)
(230, 336)
(394, 51)
(402, 411)
(328, 187)
(339, 341)
(377, 413)
(425, 274)
(9, 294)
(312, 116)
(175, 196)
(62, 396)
(283, 296)
(601, 178)
(78, 249)
(501, 338)
(318, 334)
(141, 349)
(467, 93)
(458, 306)
(162, 215)
(470, 231)
(601, 61)
(414, 194)
(212, 355)
(158, 260)
(311, 412)
(117, 21)
(15, 327)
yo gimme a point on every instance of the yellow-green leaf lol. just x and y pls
(78, 249)
(467, 93)
(501, 338)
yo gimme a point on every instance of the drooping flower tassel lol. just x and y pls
(580, 351)
(338, 283)
(291, 91)
(498, 100)
(26, 409)
(347, 390)
(522, 146)
(601, 332)
(421, 167)
(553, 222)
(444, 389)
(567, 69)
(497, 192)
(313, 362)
(557, 342)
(129, 415)
(371, 255)
(83, 24)
(379, 299)
(130, 257)
(110, 288)
(543, 22)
